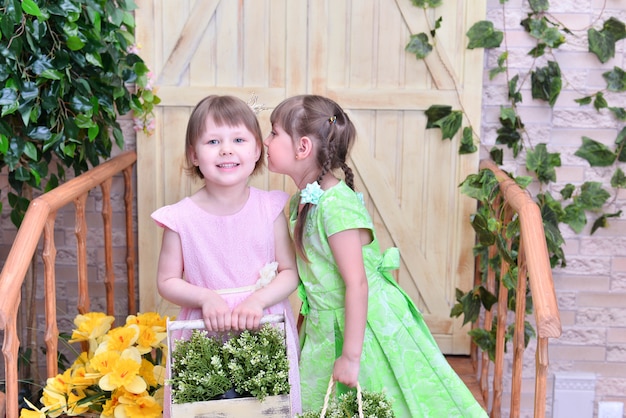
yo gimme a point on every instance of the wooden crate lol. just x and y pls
(271, 406)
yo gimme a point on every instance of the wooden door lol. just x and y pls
(354, 52)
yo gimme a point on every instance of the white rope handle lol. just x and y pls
(331, 384)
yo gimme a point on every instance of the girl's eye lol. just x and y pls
(273, 133)
(212, 141)
(239, 140)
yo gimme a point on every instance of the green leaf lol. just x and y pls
(467, 142)
(618, 180)
(419, 45)
(615, 80)
(483, 35)
(592, 196)
(575, 217)
(600, 102)
(618, 112)
(75, 43)
(568, 191)
(450, 124)
(31, 8)
(546, 83)
(496, 155)
(602, 44)
(584, 100)
(543, 163)
(539, 6)
(602, 221)
(597, 154)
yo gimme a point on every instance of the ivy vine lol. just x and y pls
(576, 203)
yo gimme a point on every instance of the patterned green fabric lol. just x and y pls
(400, 355)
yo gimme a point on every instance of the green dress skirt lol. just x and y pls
(400, 356)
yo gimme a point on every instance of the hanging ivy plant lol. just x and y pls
(68, 69)
(575, 203)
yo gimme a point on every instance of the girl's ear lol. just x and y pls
(304, 148)
(192, 156)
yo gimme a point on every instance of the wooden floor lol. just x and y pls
(462, 365)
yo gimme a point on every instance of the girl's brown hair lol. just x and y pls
(224, 110)
(324, 122)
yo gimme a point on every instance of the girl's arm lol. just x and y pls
(248, 313)
(347, 250)
(174, 288)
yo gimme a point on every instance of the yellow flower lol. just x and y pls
(105, 361)
(119, 339)
(35, 413)
(76, 402)
(150, 319)
(81, 378)
(149, 339)
(91, 326)
(124, 373)
(134, 406)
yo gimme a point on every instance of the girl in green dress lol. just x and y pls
(359, 326)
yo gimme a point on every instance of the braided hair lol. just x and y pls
(329, 127)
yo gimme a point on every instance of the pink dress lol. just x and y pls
(227, 252)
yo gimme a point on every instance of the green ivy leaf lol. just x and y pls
(618, 180)
(467, 142)
(496, 155)
(435, 113)
(602, 44)
(615, 80)
(450, 124)
(584, 100)
(600, 102)
(597, 154)
(602, 221)
(618, 112)
(419, 45)
(620, 141)
(546, 83)
(575, 217)
(592, 196)
(568, 191)
(543, 163)
(483, 35)
(539, 6)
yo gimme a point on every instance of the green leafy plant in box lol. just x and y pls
(252, 363)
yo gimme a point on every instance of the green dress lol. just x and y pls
(399, 355)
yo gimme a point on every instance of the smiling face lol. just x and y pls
(225, 155)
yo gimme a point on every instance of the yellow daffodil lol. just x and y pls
(124, 373)
(112, 377)
(150, 319)
(76, 403)
(91, 325)
(149, 339)
(34, 413)
(135, 406)
(119, 339)
(105, 361)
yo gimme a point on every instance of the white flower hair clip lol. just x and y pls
(267, 274)
(311, 193)
(256, 107)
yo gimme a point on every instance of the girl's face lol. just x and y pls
(226, 155)
(281, 151)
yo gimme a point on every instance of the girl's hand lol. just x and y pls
(247, 315)
(346, 371)
(216, 314)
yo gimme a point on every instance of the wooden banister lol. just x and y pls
(533, 262)
(39, 221)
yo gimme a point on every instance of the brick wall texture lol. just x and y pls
(591, 289)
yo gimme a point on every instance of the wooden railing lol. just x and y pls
(532, 262)
(39, 220)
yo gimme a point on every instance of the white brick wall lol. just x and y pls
(591, 290)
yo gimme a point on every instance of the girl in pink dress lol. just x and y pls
(218, 242)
